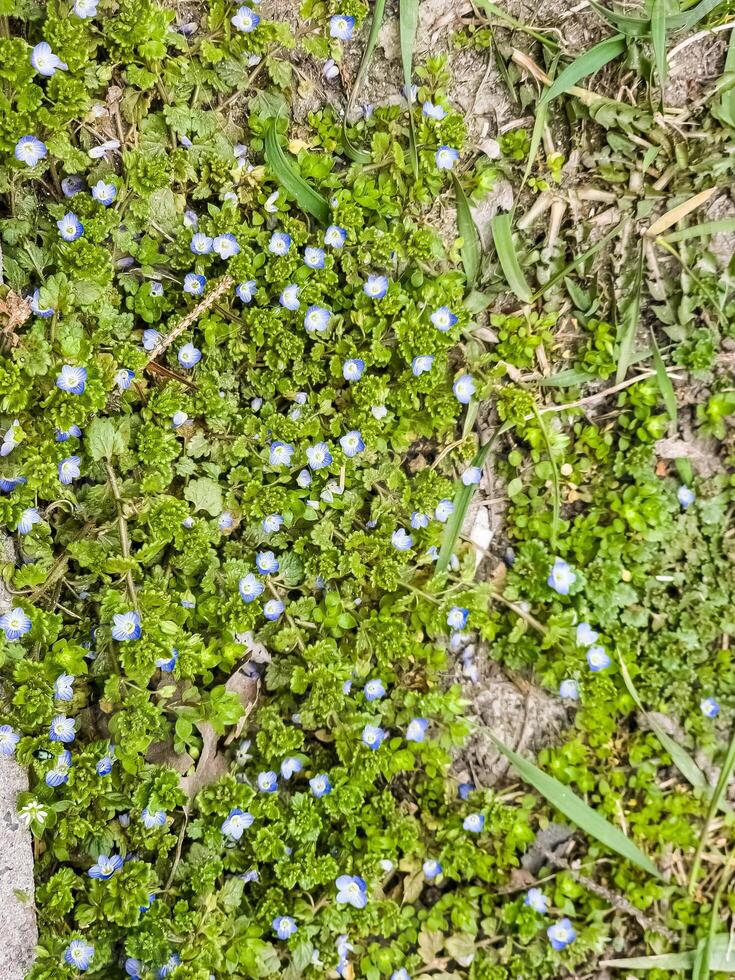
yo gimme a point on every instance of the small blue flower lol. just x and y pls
(250, 587)
(280, 243)
(79, 954)
(316, 319)
(194, 284)
(126, 626)
(561, 934)
(43, 312)
(226, 246)
(376, 286)
(586, 636)
(431, 869)
(569, 689)
(320, 785)
(335, 237)
(353, 368)
(45, 61)
(63, 687)
(351, 890)
(474, 823)
(168, 664)
(225, 521)
(236, 823)
(169, 966)
(401, 539)
(443, 511)
(155, 819)
(419, 520)
(71, 186)
(134, 968)
(252, 875)
(598, 659)
(352, 443)
(472, 476)
(416, 731)
(536, 900)
(272, 523)
(73, 380)
(15, 623)
(401, 974)
(457, 617)
(28, 518)
(273, 610)
(150, 339)
(446, 157)
(69, 469)
(465, 789)
(106, 866)
(200, 243)
(304, 479)
(30, 150)
(124, 378)
(284, 926)
(9, 483)
(710, 708)
(443, 319)
(267, 563)
(280, 454)
(104, 193)
(188, 356)
(561, 577)
(421, 364)
(432, 111)
(246, 290)
(72, 432)
(290, 766)
(372, 736)
(318, 456)
(8, 741)
(86, 8)
(314, 258)
(104, 765)
(179, 419)
(245, 20)
(341, 27)
(374, 690)
(70, 227)
(686, 497)
(151, 900)
(289, 298)
(464, 389)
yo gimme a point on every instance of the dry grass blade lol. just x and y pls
(675, 215)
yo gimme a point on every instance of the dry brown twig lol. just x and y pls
(225, 283)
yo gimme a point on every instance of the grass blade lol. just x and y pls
(668, 395)
(586, 64)
(291, 180)
(505, 18)
(630, 26)
(658, 40)
(556, 489)
(725, 108)
(675, 215)
(354, 153)
(576, 810)
(629, 324)
(703, 230)
(722, 958)
(685, 22)
(715, 804)
(500, 226)
(469, 235)
(408, 22)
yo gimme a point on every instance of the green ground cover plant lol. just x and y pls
(248, 389)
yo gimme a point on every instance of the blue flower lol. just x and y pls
(474, 822)
(316, 319)
(104, 765)
(457, 617)
(67, 434)
(444, 510)
(273, 610)
(250, 587)
(290, 766)
(79, 954)
(446, 157)
(200, 243)
(472, 476)
(272, 523)
(351, 890)
(252, 875)
(284, 926)
(431, 869)
(8, 741)
(188, 356)
(598, 659)
(226, 246)
(561, 934)
(432, 111)
(267, 563)
(72, 379)
(151, 900)
(318, 456)
(267, 782)
(124, 378)
(401, 974)
(62, 729)
(104, 193)
(280, 243)
(155, 819)
(60, 772)
(376, 286)
(190, 219)
(63, 687)
(320, 785)
(179, 418)
(126, 626)
(419, 520)
(372, 736)
(341, 27)
(401, 539)
(28, 518)
(464, 389)
(71, 186)
(335, 237)
(194, 284)
(225, 521)
(586, 636)
(443, 319)
(70, 227)
(536, 900)
(167, 664)
(246, 290)
(280, 454)
(106, 866)
(45, 61)
(685, 496)
(416, 731)
(150, 339)
(171, 963)
(465, 789)
(569, 689)
(561, 577)
(245, 20)
(710, 708)
(304, 479)
(374, 690)
(15, 623)
(86, 8)
(352, 443)
(353, 368)
(421, 364)
(11, 439)
(236, 823)
(43, 312)
(9, 483)
(134, 968)
(314, 258)
(289, 298)
(30, 150)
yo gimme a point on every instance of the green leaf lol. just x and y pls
(626, 24)
(291, 180)
(576, 810)
(586, 64)
(408, 22)
(658, 40)
(361, 156)
(724, 109)
(703, 230)
(205, 494)
(722, 958)
(103, 440)
(500, 226)
(629, 322)
(469, 235)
